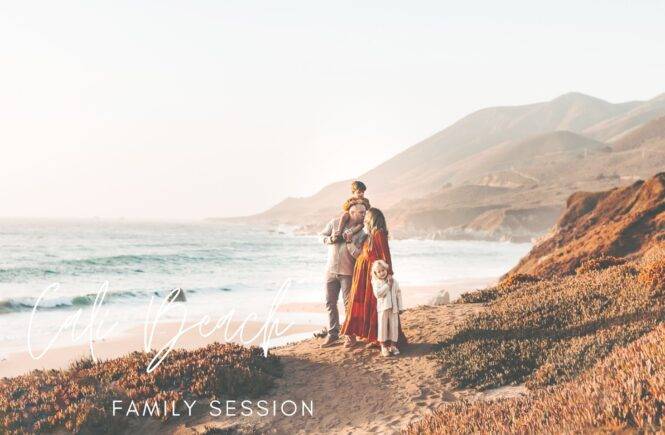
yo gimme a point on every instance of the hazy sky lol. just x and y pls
(217, 108)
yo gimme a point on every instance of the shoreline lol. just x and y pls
(16, 363)
(21, 362)
(413, 295)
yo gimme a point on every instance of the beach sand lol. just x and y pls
(412, 295)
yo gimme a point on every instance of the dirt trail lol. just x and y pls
(358, 390)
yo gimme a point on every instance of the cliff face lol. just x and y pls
(622, 222)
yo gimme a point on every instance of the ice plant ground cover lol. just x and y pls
(79, 398)
(548, 331)
(626, 390)
(588, 346)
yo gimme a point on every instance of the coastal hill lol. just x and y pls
(501, 172)
(622, 222)
(651, 134)
(579, 323)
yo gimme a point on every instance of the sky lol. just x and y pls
(187, 110)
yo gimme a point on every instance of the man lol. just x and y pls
(339, 270)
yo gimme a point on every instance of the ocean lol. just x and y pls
(220, 266)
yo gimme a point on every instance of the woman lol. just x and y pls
(361, 319)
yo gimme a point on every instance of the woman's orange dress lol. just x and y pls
(361, 316)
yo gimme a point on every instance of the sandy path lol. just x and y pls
(356, 391)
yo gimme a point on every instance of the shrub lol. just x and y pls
(599, 263)
(626, 391)
(79, 398)
(517, 279)
(548, 332)
(506, 286)
(479, 296)
(652, 275)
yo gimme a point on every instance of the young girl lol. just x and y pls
(388, 305)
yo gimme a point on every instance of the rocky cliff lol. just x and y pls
(621, 222)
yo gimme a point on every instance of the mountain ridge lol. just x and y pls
(544, 151)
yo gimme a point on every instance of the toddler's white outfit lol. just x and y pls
(388, 306)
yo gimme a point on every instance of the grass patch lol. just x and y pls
(599, 263)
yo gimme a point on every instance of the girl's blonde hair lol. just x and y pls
(379, 264)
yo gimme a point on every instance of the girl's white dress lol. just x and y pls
(388, 306)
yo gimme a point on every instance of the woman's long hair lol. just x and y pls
(376, 221)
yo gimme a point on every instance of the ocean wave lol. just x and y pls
(19, 304)
(8, 275)
(133, 259)
(126, 263)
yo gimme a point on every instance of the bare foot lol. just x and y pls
(330, 341)
(350, 342)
